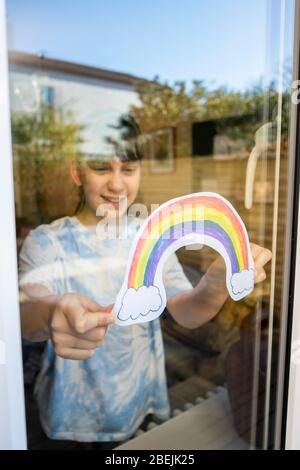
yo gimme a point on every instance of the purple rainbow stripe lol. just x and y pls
(172, 234)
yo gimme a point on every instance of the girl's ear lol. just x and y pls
(75, 173)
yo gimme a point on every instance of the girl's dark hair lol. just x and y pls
(129, 145)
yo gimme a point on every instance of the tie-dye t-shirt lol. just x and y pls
(104, 398)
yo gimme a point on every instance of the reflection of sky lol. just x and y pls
(215, 40)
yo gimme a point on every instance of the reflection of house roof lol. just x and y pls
(38, 62)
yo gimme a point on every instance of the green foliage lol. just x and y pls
(43, 144)
(49, 133)
(162, 105)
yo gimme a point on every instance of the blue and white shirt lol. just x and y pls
(107, 397)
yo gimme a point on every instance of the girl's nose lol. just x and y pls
(116, 183)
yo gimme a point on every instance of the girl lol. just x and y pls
(98, 380)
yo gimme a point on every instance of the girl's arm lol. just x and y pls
(36, 307)
(197, 306)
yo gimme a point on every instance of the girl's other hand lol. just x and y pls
(78, 326)
(216, 273)
(261, 256)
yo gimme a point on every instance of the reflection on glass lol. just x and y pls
(191, 138)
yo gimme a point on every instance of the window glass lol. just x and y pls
(150, 102)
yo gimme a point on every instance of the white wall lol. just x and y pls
(94, 103)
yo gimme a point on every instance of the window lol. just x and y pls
(209, 110)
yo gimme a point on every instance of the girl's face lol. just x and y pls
(113, 183)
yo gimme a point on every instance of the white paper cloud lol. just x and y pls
(140, 301)
(243, 281)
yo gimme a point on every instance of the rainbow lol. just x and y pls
(205, 218)
(220, 222)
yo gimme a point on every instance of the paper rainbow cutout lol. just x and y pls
(205, 218)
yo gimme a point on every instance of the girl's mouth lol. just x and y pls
(116, 202)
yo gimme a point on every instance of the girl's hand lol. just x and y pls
(78, 326)
(216, 273)
(261, 256)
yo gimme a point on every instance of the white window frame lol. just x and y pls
(12, 413)
(292, 438)
(293, 414)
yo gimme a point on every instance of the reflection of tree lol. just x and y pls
(163, 106)
(43, 142)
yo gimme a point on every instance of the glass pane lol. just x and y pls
(116, 109)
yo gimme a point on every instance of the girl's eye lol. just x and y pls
(129, 169)
(100, 169)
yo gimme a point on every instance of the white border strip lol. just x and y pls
(12, 415)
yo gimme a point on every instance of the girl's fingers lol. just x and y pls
(94, 320)
(74, 354)
(258, 250)
(93, 335)
(68, 341)
(255, 250)
(82, 323)
(260, 276)
(92, 306)
(262, 258)
(84, 314)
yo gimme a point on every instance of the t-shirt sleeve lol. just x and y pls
(175, 281)
(38, 261)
